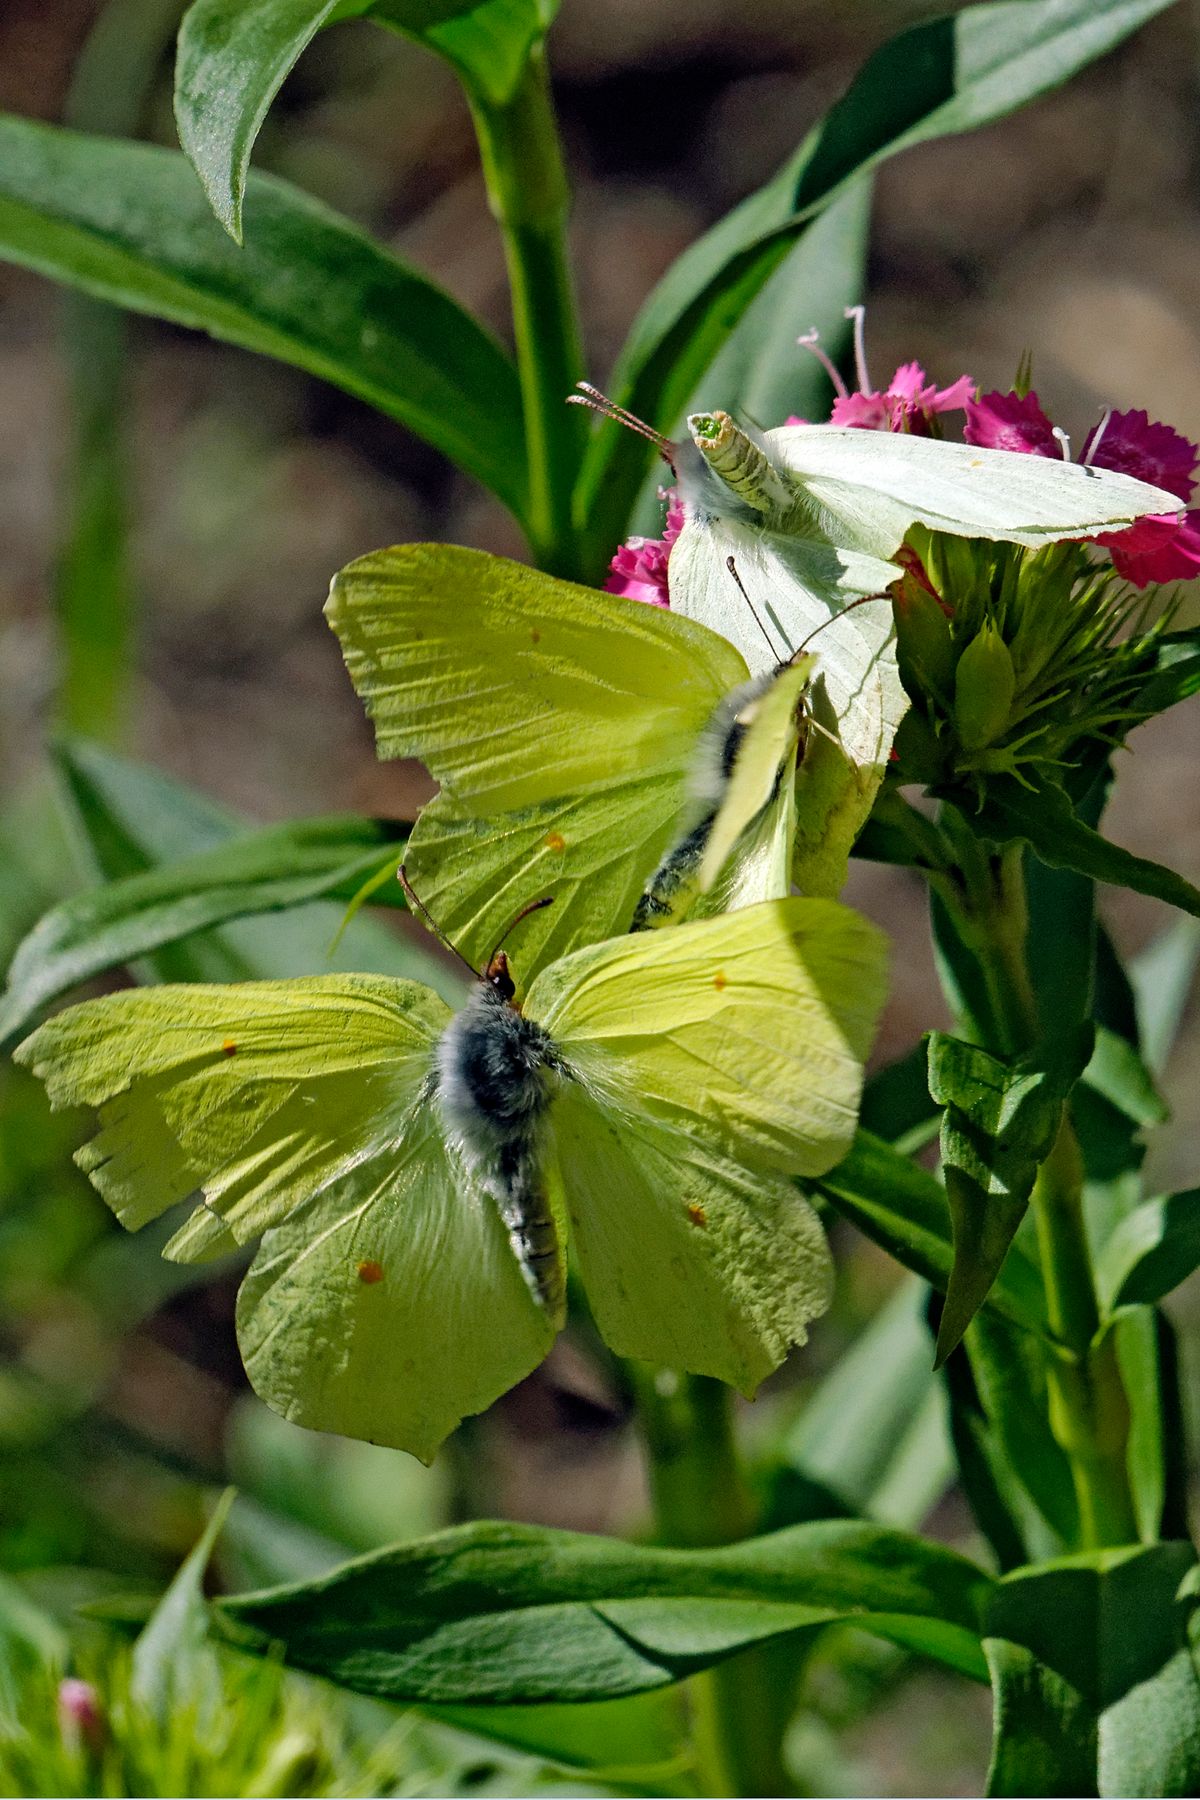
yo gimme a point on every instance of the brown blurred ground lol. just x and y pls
(1072, 230)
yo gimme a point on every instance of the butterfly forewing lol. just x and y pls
(525, 695)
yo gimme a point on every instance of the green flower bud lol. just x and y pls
(984, 686)
(924, 648)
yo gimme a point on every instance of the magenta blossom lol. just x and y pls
(1161, 547)
(639, 569)
(1010, 422)
(908, 403)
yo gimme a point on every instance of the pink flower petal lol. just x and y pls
(1160, 548)
(1010, 422)
(867, 412)
(638, 571)
(1131, 444)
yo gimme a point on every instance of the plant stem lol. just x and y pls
(740, 1708)
(1089, 1411)
(530, 199)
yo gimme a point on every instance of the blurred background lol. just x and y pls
(1071, 231)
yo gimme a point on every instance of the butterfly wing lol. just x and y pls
(856, 695)
(301, 1109)
(864, 489)
(557, 705)
(766, 749)
(714, 1061)
(390, 1305)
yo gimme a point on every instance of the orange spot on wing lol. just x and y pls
(698, 1217)
(229, 1047)
(535, 636)
(370, 1272)
(554, 840)
(719, 981)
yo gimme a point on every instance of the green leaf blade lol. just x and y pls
(232, 61)
(103, 928)
(503, 1613)
(1000, 1123)
(938, 78)
(128, 223)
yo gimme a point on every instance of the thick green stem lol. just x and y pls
(529, 196)
(1089, 1412)
(740, 1708)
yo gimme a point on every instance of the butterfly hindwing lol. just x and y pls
(390, 1305)
(711, 1063)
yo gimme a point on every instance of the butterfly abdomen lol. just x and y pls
(494, 1086)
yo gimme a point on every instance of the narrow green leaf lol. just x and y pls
(942, 77)
(1000, 1122)
(1043, 817)
(106, 927)
(94, 589)
(903, 1208)
(128, 223)
(874, 1432)
(1162, 976)
(896, 1103)
(1151, 1251)
(173, 1661)
(1009, 1369)
(518, 1613)
(1096, 1683)
(129, 818)
(1176, 673)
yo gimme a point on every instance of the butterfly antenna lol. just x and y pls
(731, 565)
(864, 600)
(414, 900)
(591, 397)
(534, 906)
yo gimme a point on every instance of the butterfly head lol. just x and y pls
(496, 976)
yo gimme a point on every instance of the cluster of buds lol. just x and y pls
(1013, 658)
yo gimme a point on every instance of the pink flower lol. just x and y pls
(1157, 548)
(1010, 422)
(908, 403)
(1161, 547)
(1132, 445)
(80, 1714)
(639, 569)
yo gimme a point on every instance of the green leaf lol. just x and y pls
(896, 1103)
(32, 1645)
(874, 1432)
(1041, 815)
(1001, 1120)
(903, 1208)
(1176, 673)
(128, 223)
(129, 818)
(1009, 1369)
(945, 76)
(105, 927)
(1162, 976)
(1151, 1251)
(518, 1613)
(234, 56)
(1096, 1683)
(95, 594)
(173, 1661)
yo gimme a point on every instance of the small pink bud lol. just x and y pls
(80, 1714)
